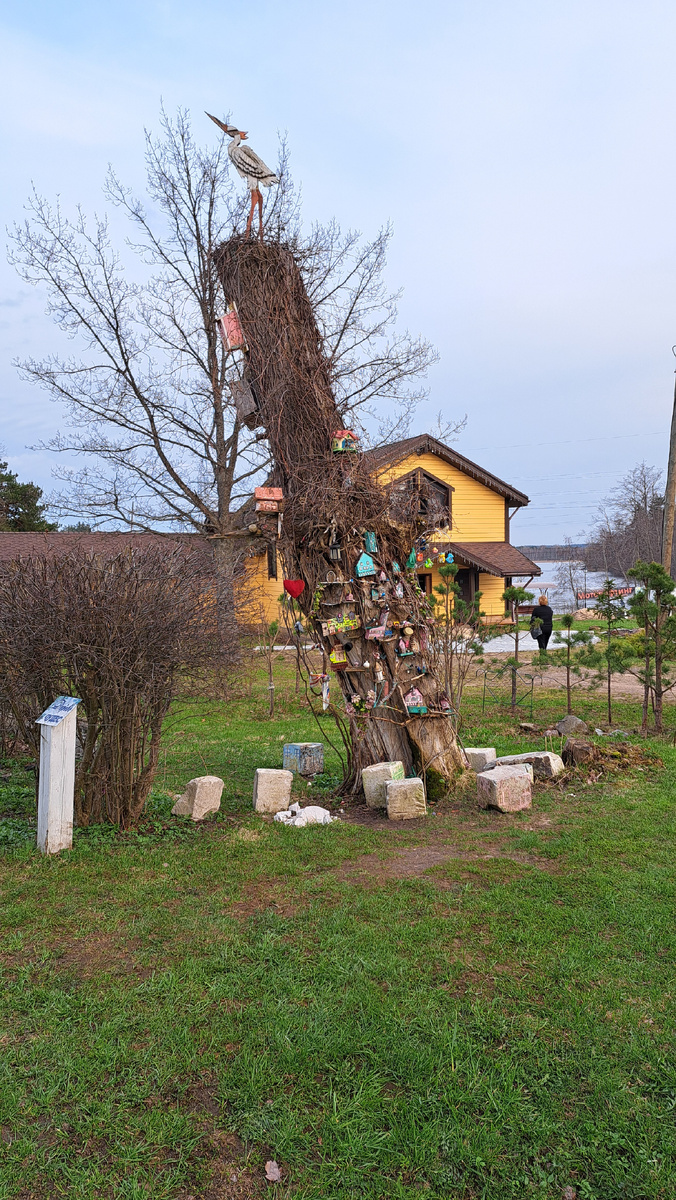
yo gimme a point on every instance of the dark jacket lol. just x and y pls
(544, 614)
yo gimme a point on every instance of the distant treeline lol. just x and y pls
(554, 553)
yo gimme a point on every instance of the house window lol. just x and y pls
(272, 560)
(430, 498)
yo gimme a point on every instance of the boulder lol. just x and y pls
(571, 724)
(508, 789)
(545, 764)
(202, 796)
(576, 751)
(374, 781)
(272, 790)
(304, 758)
(405, 799)
(479, 756)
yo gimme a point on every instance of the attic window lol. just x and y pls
(431, 497)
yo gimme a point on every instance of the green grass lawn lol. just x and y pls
(480, 1006)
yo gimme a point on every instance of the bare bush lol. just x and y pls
(119, 631)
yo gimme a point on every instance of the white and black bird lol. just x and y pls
(250, 167)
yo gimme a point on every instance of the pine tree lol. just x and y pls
(20, 507)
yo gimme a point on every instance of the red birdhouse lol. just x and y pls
(230, 329)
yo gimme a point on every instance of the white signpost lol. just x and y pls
(57, 775)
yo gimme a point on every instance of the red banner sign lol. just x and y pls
(615, 593)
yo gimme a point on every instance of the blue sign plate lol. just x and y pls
(58, 710)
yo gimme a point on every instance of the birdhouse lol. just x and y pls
(365, 566)
(245, 403)
(230, 329)
(338, 658)
(371, 543)
(414, 701)
(344, 440)
(269, 499)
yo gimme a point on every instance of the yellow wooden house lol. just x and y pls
(472, 509)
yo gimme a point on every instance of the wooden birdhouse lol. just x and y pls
(344, 440)
(365, 566)
(269, 499)
(245, 403)
(230, 329)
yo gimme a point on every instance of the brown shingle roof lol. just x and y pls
(495, 558)
(424, 443)
(27, 545)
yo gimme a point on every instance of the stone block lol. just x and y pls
(405, 799)
(272, 790)
(571, 724)
(304, 758)
(577, 750)
(201, 797)
(507, 788)
(545, 764)
(479, 756)
(374, 781)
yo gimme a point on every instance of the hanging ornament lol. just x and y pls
(419, 557)
(410, 561)
(294, 587)
(441, 559)
(428, 564)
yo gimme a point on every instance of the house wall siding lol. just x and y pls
(478, 513)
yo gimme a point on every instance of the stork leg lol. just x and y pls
(259, 195)
(254, 193)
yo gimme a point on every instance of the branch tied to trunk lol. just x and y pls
(340, 535)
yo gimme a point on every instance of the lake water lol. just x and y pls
(554, 582)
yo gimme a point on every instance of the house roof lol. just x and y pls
(424, 443)
(27, 545)
(494, 558)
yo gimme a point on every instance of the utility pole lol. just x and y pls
(670, 494)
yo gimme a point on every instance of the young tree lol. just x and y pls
(570, 642)
(20, 507)
(611, 610)
(149, 393)
(654, 607)
(513, 597)
(460, 633)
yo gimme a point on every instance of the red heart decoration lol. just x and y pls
(294, 587)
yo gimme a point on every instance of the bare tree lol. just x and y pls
(148, 391)
(630, 523)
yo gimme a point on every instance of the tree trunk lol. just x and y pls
(332, 501)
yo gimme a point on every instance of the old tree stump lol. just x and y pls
(333, 502)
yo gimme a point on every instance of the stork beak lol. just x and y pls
(219, 123)
(243, 135)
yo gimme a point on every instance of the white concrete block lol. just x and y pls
(545, 764)
(405, 799)
(479, 756)
(202, 796)
(272, 790)
(507, 788)
(375, 779)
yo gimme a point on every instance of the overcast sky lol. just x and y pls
(524, 152)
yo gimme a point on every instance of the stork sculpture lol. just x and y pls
(250, 167)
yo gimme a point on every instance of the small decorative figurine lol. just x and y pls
(411, 561)
(399, 591)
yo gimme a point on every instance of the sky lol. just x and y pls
(523, 151)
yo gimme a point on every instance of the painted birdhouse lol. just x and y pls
(371, 543)
(269, 499)
(344, 440)
(365, 566)
(414, 701)
(338, 657)
(230, 329)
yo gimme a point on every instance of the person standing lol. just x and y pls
(541, 621)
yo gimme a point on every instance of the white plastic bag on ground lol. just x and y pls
(299, 817)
